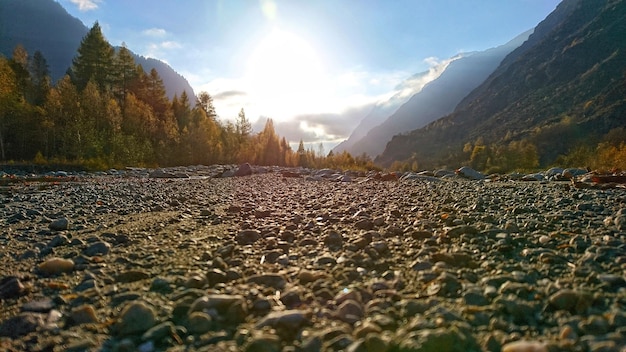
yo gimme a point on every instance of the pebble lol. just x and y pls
(276, 281)
(132, 276)
(21, 324)
(60, 224)
(219, 302)
(350, 311)
(199, 322)
(249, 236)
(43, 305)
(58, 240)
(569, 300)
(159, 332)
(97, 248)
(56, 266)
(263, 343)
(288, 319)
(433, 340)
(244, 170)
(525, 346)
(11, 287)
(85, 314)
(136, 318)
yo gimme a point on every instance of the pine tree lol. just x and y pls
(40, 78)
(302, 155)
(205, 102)
(124, 72)
(94, 60)
(156, 96)
(243, 127)
(182, 110)
(138, 85)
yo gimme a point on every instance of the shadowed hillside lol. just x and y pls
(566, 85)
(438, 97)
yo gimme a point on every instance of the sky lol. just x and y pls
(316, 67)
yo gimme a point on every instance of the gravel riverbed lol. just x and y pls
(279, 261)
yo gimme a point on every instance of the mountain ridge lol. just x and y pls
(379, 112)
(438, 97)
(46, 26)
(558, 81)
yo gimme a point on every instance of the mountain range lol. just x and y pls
(46, 26)
(560, 87)
(565, 86)
(438, 98)
(386, 107)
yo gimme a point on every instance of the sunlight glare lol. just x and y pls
(269, 9)
(286, 73)
(317, 130)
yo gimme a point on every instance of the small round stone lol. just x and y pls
(199, 323)
(56, 266)
(136, 317)
(85, 314)
(60, 224)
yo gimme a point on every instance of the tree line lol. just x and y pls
(605, 153)
(108, 112)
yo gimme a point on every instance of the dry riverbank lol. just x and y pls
(273, 263)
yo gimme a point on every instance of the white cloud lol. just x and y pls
(416, 83)
(86, 5)
(226, 103)
(155, 32)
(160, 50)
(170, 45)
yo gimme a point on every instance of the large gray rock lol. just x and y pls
(244, 170)
(468, 172)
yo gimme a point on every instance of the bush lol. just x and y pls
(39, 159)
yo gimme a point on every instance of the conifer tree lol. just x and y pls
(9, 99)
(156, 96)
(124, 72)
(182, 110)
(40, 78)
(243, 127)
(302, 157)
(205, 102)
(94, 60)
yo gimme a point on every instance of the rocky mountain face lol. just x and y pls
(383, 109)
(565, 85)
(436, 99)
(44, 25)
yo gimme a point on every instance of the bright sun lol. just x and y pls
(285, 73)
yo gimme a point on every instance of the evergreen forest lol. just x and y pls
(108, 112)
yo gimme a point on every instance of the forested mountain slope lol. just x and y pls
(45, 26)
(437, 98)
(562, 89)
